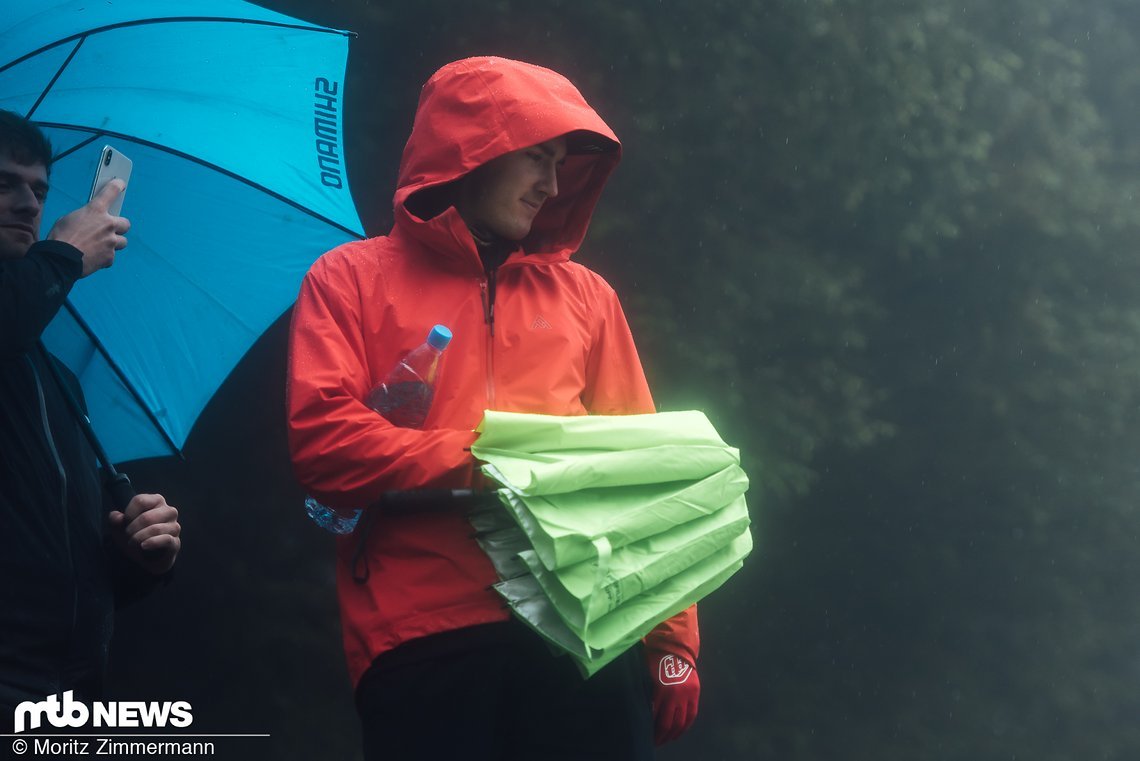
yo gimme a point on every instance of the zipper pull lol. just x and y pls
(488, 289)
(486, 301)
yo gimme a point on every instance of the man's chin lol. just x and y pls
(14, 246)
(517, 233)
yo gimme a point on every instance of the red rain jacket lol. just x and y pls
(556, 342)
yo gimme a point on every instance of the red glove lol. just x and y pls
(676, 693)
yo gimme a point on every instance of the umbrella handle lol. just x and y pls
(121, 489)
(420, 499)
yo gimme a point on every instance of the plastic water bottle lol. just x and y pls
(404, 399)
(334, 521)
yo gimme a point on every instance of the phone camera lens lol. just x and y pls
(107, 159)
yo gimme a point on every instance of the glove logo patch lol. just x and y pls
(673, 670)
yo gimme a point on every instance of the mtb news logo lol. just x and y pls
(68, 712)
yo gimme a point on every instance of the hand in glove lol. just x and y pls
(676, 694)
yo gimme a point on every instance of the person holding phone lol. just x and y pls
(66, 558)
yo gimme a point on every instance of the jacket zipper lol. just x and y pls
(63, 487)
(487, 286)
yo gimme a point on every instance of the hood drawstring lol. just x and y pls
(360, 569)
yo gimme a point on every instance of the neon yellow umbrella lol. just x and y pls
(614, 633)
(609, 524)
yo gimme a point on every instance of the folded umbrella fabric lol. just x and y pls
(609, 524)
(530, 474)
(548, 454)
(564, 528)
(619, 630)
(522, 432)
(621, 477)
(586, 591)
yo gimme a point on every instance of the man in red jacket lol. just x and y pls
(497, 185)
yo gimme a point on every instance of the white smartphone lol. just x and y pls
(112, 164)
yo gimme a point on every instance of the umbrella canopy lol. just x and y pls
(608, 525)
(233, 117)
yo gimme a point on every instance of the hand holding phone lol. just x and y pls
(97, 229)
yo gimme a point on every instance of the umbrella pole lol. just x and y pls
(119, 486)
(121, 376)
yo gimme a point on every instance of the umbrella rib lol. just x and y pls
(178, 19)
(55, 78)
(122, 376)
(77, 147)
(213, 167)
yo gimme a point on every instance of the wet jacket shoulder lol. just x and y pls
(32, 290)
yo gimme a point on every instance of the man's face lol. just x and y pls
(504, 195)
(23, 188)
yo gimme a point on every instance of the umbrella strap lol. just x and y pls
(396, 503)
(605, 552)
(359, 563)
(117, 483)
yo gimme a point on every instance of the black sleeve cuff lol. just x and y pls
(57, 249)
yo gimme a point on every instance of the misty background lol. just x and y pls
(889, 247)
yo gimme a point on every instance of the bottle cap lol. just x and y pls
(439, 337)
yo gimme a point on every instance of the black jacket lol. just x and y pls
(58, 570)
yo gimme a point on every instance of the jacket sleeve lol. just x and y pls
(615, 382)
(32, 289)
(343, 452)
(616, 385)
(678, 635)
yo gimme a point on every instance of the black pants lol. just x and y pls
(496, 692)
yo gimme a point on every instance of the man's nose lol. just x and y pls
(549, 183)
(26, 201)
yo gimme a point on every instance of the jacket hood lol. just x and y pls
(477, 109)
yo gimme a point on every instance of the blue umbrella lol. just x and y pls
(233, 116)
